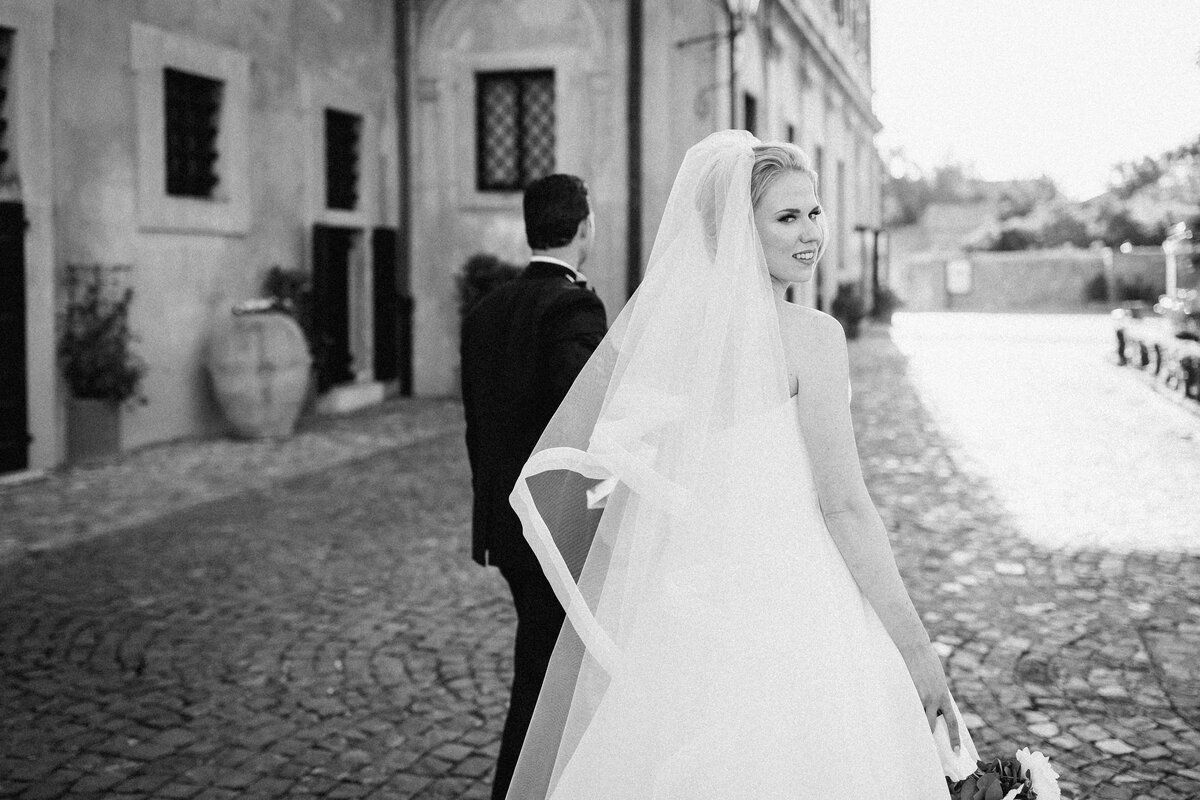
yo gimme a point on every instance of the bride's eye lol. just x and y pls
(787, 218)
(814, 213)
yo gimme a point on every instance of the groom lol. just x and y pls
(522, 347)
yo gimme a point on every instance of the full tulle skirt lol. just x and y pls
(748, 663)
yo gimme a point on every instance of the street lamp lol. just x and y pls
(736, 14)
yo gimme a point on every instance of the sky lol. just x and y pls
(1021, 88)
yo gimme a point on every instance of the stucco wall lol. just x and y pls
(186, 280)
(583, 42)
(1037, 280)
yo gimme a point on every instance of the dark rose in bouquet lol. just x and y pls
(1024, 776)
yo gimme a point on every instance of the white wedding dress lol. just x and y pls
(716, 644)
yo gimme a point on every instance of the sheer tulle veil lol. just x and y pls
(633, 499)
(611, 482)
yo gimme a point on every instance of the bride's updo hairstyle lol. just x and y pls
(773, 158)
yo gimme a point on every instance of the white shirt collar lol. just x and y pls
(579, 276)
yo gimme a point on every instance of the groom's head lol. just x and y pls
(557, 214)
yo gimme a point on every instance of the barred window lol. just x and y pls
(193, 105)
(514, 129)
(343, 137)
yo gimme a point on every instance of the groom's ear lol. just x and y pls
(586, 227)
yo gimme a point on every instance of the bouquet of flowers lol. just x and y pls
(1024, 776)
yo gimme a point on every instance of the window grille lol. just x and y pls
(514, 129)
(343, 140)
(193, 105)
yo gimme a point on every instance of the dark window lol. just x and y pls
(343, 136)
(791, 133)
(750, 116)
(514, 129)
(193, 106)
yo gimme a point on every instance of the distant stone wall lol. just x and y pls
(1030, 280)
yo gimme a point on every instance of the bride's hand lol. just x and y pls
(930, 680)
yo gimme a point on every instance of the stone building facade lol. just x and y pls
(632, 84)
(193, 143)
(376, 145)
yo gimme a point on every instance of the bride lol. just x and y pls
(736, 624)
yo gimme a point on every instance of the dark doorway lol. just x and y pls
(332, 248)
(393, 312)
(383, 287)
(14, 410)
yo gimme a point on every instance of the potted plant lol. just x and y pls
(96, 358)
(847, 307)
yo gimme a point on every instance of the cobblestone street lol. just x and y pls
(324, 633)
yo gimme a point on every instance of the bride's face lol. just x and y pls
(790, 227)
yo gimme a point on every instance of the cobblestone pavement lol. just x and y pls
(326, 635)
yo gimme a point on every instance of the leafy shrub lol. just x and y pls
(1096, 289)
(481, 274)
(94, 347)
(886, 302)
(1136, 288)
(290, 291)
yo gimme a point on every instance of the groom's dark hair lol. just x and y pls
(554, 206)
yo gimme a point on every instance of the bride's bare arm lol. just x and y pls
(850, 514)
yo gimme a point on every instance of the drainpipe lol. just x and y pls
(404, 300)
(633, 113)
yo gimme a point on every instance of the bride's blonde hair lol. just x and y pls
(772, 159)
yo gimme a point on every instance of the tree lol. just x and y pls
(1130, 177)
(1020, 198)
(909, 190)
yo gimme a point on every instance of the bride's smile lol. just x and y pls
(791, 227)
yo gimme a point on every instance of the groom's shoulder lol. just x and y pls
(573, 305)
(564, 293)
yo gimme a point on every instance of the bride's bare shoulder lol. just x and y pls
(807, 329)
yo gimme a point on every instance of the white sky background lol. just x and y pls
(1020, 88)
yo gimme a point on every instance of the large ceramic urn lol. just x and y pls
(259, 365)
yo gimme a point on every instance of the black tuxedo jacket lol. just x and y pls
(522, 347)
